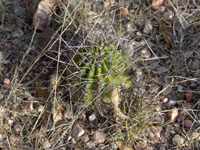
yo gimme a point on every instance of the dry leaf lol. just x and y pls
(163, 31)
(123, 146)
(141, 146)
(123, 11)
(115, 100)
(119, 115)
(56, 111)
(114, 97)
(42, 16)
(155, 4)
(45, 142)
(41, 90)
(53, 81)
(60, 125)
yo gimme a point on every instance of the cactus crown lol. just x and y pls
(97, 67)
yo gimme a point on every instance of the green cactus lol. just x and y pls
(98, 66)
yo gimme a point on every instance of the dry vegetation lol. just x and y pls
(40, 107)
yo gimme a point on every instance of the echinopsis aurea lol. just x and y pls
(98, 69)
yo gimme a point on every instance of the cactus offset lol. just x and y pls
(97, 68)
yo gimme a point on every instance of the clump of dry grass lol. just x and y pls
(30, 105)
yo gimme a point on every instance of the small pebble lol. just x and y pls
(77, 131)
(187, 123)
(161, 8)
(147, 28)
(165, 100)
(92, 117)
(162, 69)
(18, 9)
(169, 15)
(28, 79)
(40, 108)
(8, 36)
(90, 144)
(188, 96)
(18, 128)
(194, 135)
(99, 137)
(145, 53)
(44, 63)
(180, 88)
(177, 140)
(173, 114)
(172, 103)
(6, 81)
(86, 138)
(18, 33)
(16, 41)
(10, 121)
(68, 114)
(167, 90)
(46, 70)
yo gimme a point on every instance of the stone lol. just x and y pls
(92, 117)
(173, 114)
(147, 28)
(187, 123)
(162, 69)
(90, 144)
(18, 33)
(99, 137)
(18, 128)
(77, 131)
(177, 140)
(145, 53)
(180, 88)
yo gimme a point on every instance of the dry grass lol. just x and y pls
(76, 26)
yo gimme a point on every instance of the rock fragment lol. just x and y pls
(177, 140)
(77, 131)
(147, 28)
(99, 137)
(18, 33)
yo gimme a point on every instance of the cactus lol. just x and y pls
(97, 67)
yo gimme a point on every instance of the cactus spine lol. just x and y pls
(98, 67)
